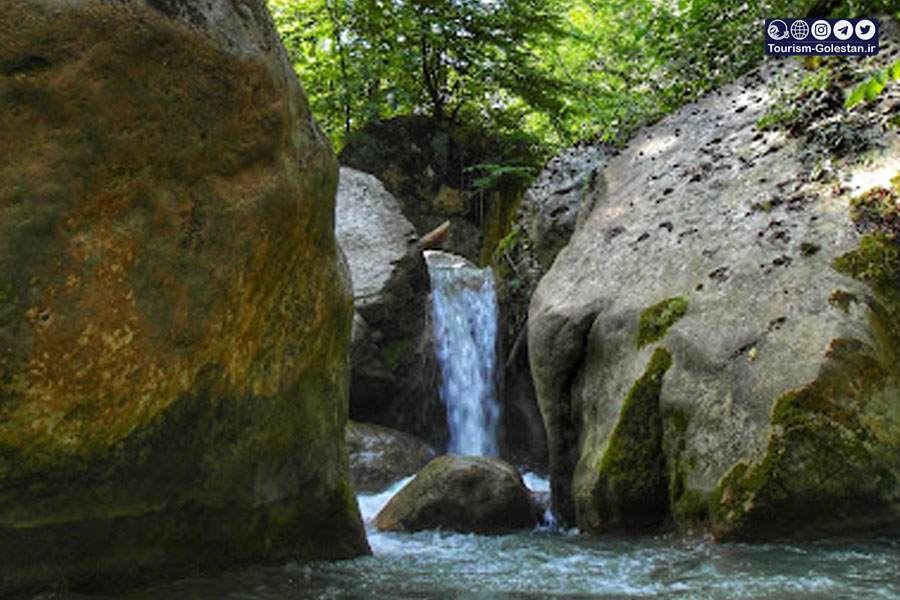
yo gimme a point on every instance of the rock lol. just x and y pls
(174, 311)
(524, 440)
(719, 343)
(540, 504)
(394, 372)
(554, 205)
(430, 165)
(462, 493)
(380, 456)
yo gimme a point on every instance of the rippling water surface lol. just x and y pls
(543, 565)
(565, 566)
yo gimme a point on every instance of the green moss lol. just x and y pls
(876, 262)
(877, 210)
(820, 474)
(657, 319)
(809, 248)
(843, 299)
(632, 489)
(393, 354)
(689, 507)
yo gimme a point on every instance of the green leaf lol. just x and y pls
(856, 95)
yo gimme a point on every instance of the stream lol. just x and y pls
(552, 564)
(546, 563)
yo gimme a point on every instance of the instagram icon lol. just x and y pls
(821, 29)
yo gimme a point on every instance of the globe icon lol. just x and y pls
(799, 30)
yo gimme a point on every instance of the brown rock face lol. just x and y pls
(174, 314)
(462, 493)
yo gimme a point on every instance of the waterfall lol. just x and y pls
(465, 320)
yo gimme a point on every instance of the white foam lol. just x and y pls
(371, 504)
(465, 320)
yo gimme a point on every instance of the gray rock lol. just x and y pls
(394, 377)
(379, 456)
(380, 245)
(461, 493)
(692, 356)
(560, 198)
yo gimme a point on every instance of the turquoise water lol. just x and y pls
(542, 565)
(561, 565)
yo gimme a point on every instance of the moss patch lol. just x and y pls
(657, 319)
(632, 490)
(822, 474)
(689, 507)
(843, 299)
(876, 262)
(877, 210)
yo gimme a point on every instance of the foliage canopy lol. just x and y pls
(557, 70)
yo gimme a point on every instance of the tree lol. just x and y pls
(452, 59)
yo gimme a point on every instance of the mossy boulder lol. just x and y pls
(767, 269)
(461, 493)
(394, 375)
(174, 311)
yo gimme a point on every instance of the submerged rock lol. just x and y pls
(462, 493)
(394, 373)
(379, 456)
(719, 343)
(174, 311)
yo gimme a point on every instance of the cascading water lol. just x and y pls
(465, 318)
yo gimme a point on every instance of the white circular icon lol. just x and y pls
(800, 30)
(865, 29)
(821, 29)
(778, 29)
(843, 29)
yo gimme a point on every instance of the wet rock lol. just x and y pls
(379, 456)
(717, 373)
(461, 493)
(393, 375)
(174, 311)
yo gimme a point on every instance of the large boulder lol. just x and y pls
(719, 343)
(380, 456)
(394, 378)
(461, 493)
(174, 311)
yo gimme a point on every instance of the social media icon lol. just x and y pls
(821, 29)
(865, 29)
(778, 29)
(800, 30)
(843, 29)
